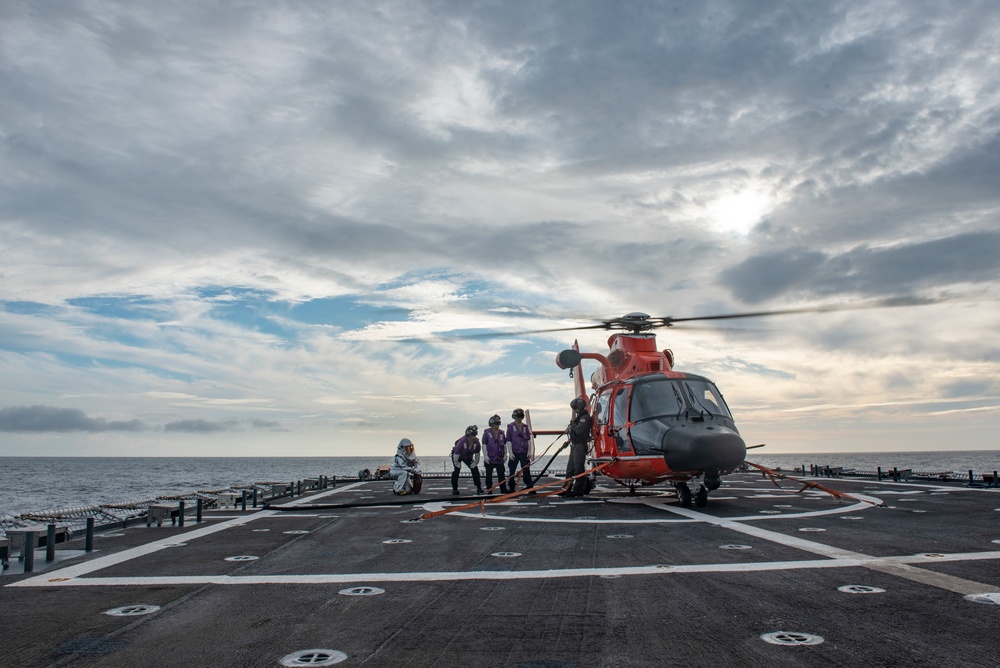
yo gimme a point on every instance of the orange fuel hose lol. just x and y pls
(530, 490)
(775, 476)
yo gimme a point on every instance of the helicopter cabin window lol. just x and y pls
(603, 404)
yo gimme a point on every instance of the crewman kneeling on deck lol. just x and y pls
(466, 451)
(405, 470)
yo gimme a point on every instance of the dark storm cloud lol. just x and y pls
(965, 258)
(199, 426)
(41, 419)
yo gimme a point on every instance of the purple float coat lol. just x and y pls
(465, 451)
(519, 438)
(496, 446)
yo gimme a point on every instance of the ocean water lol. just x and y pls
(30, 484)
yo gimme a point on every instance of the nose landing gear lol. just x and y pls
(684, 495)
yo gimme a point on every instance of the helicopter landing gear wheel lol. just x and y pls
(684, 495)
(701, 498)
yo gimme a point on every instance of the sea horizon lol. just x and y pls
(36, 483)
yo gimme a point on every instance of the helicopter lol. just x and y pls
(654, 424)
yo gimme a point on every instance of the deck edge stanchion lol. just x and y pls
(28, 551)
(50, 542)
(88, 543)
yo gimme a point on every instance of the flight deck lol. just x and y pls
(898, 573)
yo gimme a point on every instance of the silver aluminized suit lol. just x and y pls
(403, 467)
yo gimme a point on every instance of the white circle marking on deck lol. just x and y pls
(505, 554)
(296, 532)
(989, 598)
(735, 547)
(242, 557)
(397, 541)
(814, 529)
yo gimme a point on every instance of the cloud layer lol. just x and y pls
(218, 218)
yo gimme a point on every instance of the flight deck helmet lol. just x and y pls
(495, 421)
(578, 405)
(471, 430)
(518, 413)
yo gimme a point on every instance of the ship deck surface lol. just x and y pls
(539, 582)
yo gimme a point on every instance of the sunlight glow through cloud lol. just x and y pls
(738, 212)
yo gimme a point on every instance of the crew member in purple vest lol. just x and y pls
(495, 445)
(519, 438)
(466, 451)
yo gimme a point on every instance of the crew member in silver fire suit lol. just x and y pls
(466, 451)
(579, 440)
(405, 470)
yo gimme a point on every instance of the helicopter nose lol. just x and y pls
(708, 448)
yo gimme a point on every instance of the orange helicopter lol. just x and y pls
(653, 424)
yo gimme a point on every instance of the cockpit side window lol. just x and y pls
(603, 404)
(620, 417)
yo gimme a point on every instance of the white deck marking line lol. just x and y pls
(932, 578)
(660, 503)
(898, 566)
(896, 562)
(166, 542)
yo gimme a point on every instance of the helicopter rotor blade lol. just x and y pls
(499, 335)
(892, 302)
(638, 322)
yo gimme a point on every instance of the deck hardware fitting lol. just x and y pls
(860, 589)
(313, 657)
(791, 638)
(132, 610)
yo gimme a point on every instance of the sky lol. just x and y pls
(262, 228)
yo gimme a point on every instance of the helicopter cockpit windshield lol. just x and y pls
(658, 405)
(671, 398)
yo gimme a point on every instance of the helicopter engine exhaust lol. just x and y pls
(704, 448)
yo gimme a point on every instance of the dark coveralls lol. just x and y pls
(579, 439)
(466, 448)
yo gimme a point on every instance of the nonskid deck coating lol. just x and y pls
(654, 582)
